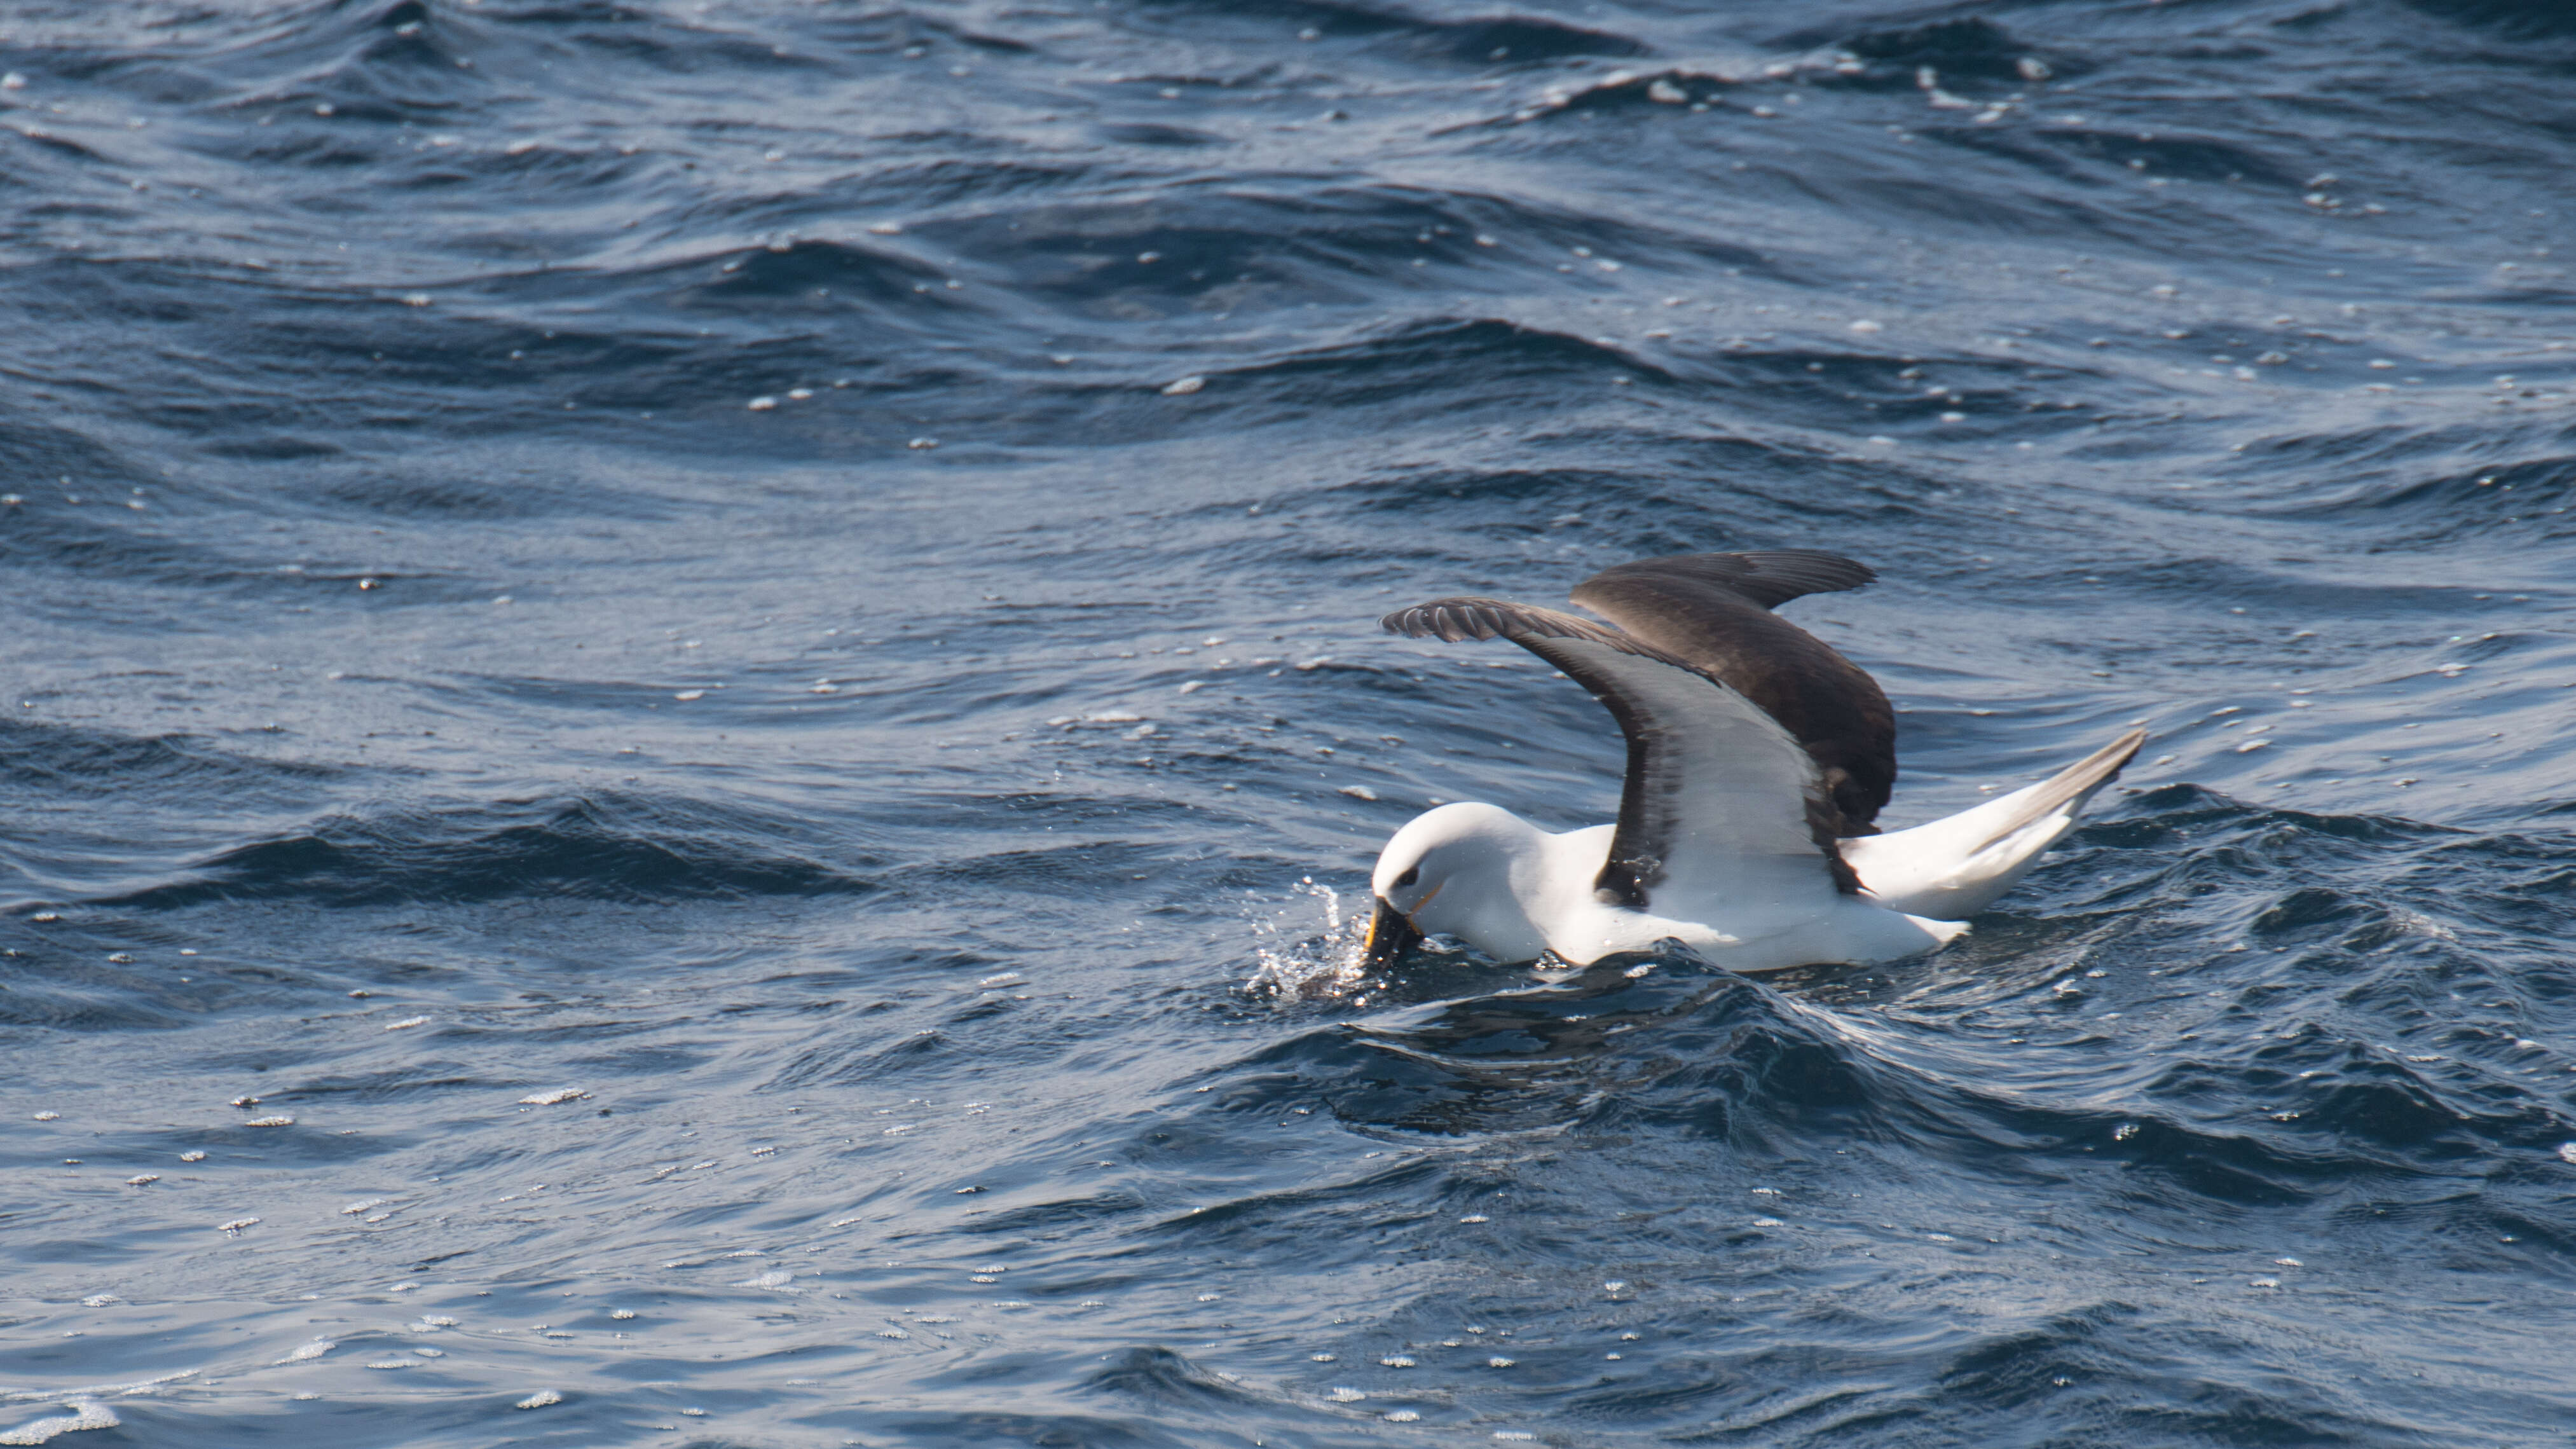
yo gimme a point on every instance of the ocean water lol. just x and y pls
(692, 719)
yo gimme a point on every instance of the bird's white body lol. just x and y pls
(1513, 891)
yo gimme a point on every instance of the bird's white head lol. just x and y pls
(1458, 871)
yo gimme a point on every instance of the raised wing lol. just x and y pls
(1768, 577)
(1711, 612)
(1719, 801)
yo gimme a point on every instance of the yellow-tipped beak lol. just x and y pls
(1390, 933)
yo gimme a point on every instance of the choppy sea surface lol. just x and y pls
(692, 718)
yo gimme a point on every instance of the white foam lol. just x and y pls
(85, 1415)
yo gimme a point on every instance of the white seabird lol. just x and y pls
(1758, 759)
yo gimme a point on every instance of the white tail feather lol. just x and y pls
(1951, 869)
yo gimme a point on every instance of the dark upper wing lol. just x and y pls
(1719, 799)
(1711, 612)
(1768, 577)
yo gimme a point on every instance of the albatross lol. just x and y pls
(1758, 760)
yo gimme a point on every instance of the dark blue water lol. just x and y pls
(628, 615)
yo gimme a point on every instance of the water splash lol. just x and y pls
(1311, 966)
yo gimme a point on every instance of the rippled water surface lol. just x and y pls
(692, 717)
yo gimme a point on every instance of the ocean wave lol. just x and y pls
(594, 847)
